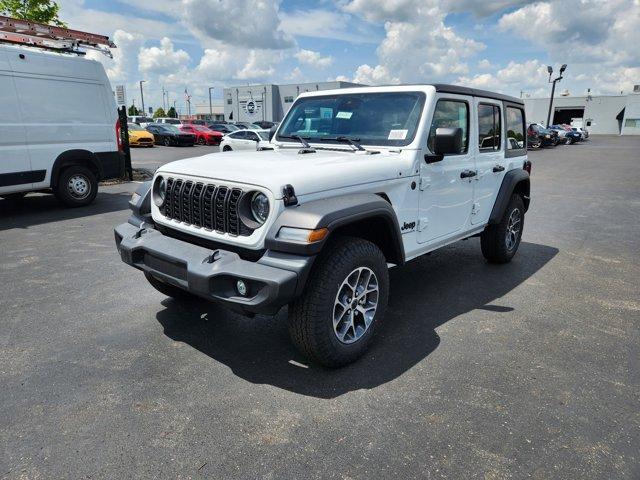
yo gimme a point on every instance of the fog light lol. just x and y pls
(241, 287)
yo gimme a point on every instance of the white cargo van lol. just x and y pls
(59, 129)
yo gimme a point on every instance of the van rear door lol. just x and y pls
(15, 167)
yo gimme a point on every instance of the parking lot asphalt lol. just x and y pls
(524, 370)
(152, 158)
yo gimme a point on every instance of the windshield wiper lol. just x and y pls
(351, 141)
(302, 140)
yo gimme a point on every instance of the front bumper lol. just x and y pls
(273, 281)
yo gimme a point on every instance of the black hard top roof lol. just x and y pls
(444, 88)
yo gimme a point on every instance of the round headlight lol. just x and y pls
(160, 191)
(260, 207)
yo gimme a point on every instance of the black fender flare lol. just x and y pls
(514, 180)
(333, 213)
(75, 157)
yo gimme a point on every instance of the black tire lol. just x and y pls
(226, 148)
(311, 315)
(13, 197)
(167, 142)
(77, 186)
(202, 141)
(496, 246)
(169, 290)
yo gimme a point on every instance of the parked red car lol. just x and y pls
(204, 135)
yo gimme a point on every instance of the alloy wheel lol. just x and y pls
(355, 305)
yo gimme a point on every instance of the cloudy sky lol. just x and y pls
(501, 45)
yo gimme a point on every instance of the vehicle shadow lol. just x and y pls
(425, 294)
(37, 209)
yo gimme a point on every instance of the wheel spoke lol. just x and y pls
(355, 305)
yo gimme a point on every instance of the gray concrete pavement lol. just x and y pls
(152, 158)
(526, 370)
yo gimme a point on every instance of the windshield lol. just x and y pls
(263, 135)
(170, 128)
(134, 127)
(386, 118)
(173, 121)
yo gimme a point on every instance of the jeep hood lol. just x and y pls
(308, 173)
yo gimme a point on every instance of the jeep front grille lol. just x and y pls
(212, 207)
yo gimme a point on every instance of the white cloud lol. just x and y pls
(484, 64)
(527, 76)
(124, 64)
(315, 59)
(319, 23)
(247, 23)
(163, 59)
(378, 75)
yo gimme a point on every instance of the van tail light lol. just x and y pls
(118, 135)
(527, 167)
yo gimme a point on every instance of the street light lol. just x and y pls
(142, 96)
(210, 104)
(553, 87)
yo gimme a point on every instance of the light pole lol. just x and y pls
(164, 94)
(210, 104)
(142, 96)
(553, 88)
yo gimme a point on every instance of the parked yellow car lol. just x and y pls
(139, 137)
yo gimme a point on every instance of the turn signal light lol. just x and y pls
(303, 235)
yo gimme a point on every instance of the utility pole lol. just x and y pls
(142, 96)
(553, 88)
(210, 104)
(164, 105)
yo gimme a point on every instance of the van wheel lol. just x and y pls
(226, 148)
(333, 321)
(167, 289)
(500, 242)
(77, 186)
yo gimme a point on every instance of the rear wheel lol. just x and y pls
(77, 186)
(202, 141)
(500, 242)
(333, 321)
(167, 142)
(168, 289)
(226, 148)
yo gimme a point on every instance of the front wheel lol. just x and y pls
(333, 322)
(500, 242)
(167, 142)
(202, 141)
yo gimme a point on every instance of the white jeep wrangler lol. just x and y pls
(359, 180)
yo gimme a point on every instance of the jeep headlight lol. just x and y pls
(159, 192)
(260, 207)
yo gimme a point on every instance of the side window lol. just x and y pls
(489, 128)
(450, 114)
(252, 136)
(515, 128)
(241, 135)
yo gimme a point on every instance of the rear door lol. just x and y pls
(15, 167)
(490, 159)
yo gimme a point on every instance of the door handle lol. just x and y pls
(468, 173)
(498, 168)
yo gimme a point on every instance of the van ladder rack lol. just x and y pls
(48, 37)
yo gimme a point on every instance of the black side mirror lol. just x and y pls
(448, 141)
(272, 132)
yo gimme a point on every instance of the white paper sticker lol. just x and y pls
(397, 134)
(345, 115)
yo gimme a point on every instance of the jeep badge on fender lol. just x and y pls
(312, 222)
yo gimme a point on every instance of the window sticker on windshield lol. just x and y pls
(344, 115)
(397, 134)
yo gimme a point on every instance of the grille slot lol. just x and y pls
(212, 207)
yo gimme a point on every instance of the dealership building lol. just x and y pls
(600, 114)
(269, 102)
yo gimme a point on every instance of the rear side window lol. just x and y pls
(515, 128)
(450, 114)
(489, 128)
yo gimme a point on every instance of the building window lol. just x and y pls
(632, 123)
(229, 101)
(288, 99)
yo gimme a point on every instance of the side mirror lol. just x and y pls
(448, 141)
(272, 132)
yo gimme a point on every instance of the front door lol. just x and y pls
(490, 158)
(446, 190)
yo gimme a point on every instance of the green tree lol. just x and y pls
(159, 113)
(41, 11)
(172, 113)
(133, 111)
